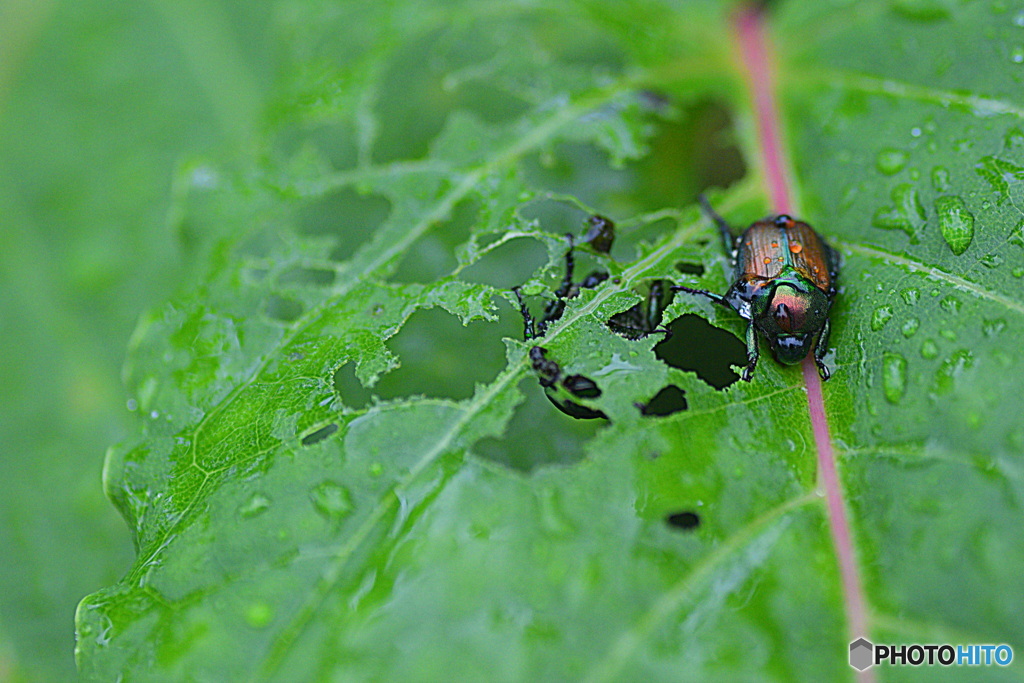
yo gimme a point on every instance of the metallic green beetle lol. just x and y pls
(783, 282)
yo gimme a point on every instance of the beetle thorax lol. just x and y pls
(789, 308)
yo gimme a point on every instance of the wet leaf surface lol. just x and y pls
(289, 528)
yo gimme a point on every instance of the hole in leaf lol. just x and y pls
(690, 268)
(442, 358)
(699, 346)
(686, 520)
(575, 169)
(688, 154)
(283, 308)
(348, 387)
(433, 256)
(538, 435)
(413, 103)
(346, 214)
(508, 265)
(669, 400)
(319, 435)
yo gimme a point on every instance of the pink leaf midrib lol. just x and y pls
(749, 29)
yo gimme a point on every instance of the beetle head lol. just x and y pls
(791, 320)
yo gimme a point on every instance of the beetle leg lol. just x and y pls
(727, 237)
(748, 371)
(529, 331)
(821, 348)
(715, 298)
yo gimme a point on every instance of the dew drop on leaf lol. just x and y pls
(894, 377)
(256, 504)
(1014, 138)
(1017, 55)
(955, 222)
(948, 334)
(881, 316)
(940, 179)
(332, 500)
(951, 368)
(929, 349)
(950, 304)
(891, 161)
(906, 214)
(910, 327)
(1000, 174)
(993, 327)
(992, 260)
(1018, 272)
(911, 296)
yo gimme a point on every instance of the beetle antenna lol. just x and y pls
(720, 300)
(727, 237)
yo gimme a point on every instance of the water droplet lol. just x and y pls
(1014, 138)
(915, 132)
(1017, 236)
(910, 327)
(891, 161)
(376, 469)
(940, 179)
(332, 500)
(894, 377)
(950, 304)
(951, 368)
(992, 260)
(1000, 175)
(1017, 55)
(993, 327)
(910, 296)
(1017, 272)
(929, 349)
(962, 145)
(257, 503)
(948, 334)
(1018, 19)
(907, 214)
(880, 317)
(955, 222)
(259, 614)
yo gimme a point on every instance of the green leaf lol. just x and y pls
(347, 467)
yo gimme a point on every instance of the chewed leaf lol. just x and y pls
(347, 466)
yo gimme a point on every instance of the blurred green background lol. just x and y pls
(106, 109)
(102, 104)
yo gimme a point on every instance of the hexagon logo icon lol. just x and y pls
(861, 651)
